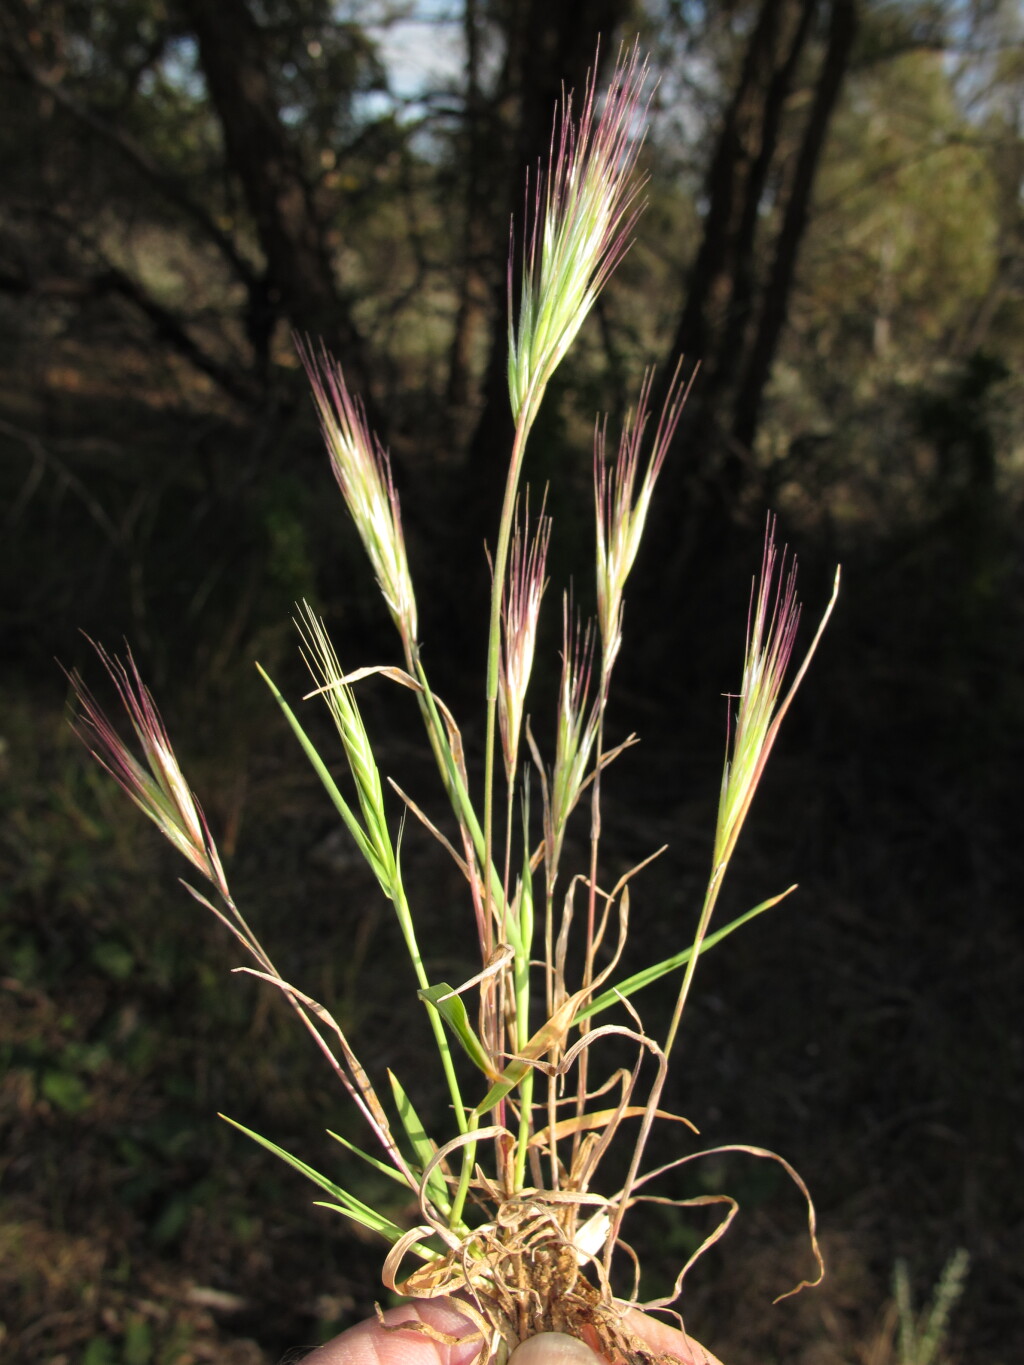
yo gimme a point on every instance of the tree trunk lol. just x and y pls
(300, 281)
(736, 176)
(778, 87)
(734, 312)
(747, 408)
(476, 284)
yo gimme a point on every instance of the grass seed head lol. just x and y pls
(323, 664)
(159, 789)
(583, 214)
(524, 592)
(363, 471)
(771, 634)
(622, 508)
(576, 734)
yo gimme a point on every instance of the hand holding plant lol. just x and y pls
(511, 1219)
(385, 1342)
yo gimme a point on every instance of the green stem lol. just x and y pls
(710, 898)
(494, 631)
(468, 1161)
(433, 724)
(654, 973)
(525, 1126)
(595, 838)
(409, 934)
(522, 971)
(454, 785)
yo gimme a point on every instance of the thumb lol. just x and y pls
(554, 1348)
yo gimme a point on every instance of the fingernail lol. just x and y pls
(553, 1348)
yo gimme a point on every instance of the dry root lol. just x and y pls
(522, 1275)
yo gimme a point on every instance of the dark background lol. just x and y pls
(835, 231)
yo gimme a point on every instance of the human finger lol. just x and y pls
(668, 1340)
(554, 1348)
(450, 1338)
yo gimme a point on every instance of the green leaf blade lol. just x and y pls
(452, 1010)
(670, 964)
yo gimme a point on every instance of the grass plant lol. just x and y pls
(922, 1337)
(511, 1214)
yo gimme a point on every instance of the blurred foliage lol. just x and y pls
(161, 478)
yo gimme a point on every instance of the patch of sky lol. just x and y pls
(971, 39)
(421, 45)
(180, 64)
